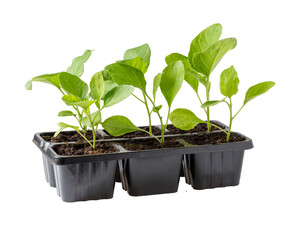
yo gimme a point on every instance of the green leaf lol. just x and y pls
(142, 51)
(95, 118)
(174, 57)
(119, 125)
(77, 67)
(28, 85)
(117, 95)
(65, 113)
(193, 79)
(64, 126)
(205, 62)
(156, 83)
(52, 79)
(257, 90)
(126, 75)
(109, 85)
(229, 82)
(204, 40)
(137, 63)
(184, 119)
(106, 75)
(157, 108)
(171, 81)
(75, 101)
(211, 103)
(73, 85)
(97, 86)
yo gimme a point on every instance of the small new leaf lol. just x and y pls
(156, 83)
(65, 113)
(257, 90)
(229, 82)
(77, 67)
(157, 108)
(97, 86)
(142, 51)
(211, 103)
(95, 118)
(184, 119)
(119, 125)
(64, 126)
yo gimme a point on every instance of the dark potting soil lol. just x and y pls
(69, 137)
(155, 131)
(85, 149)
(147, 144)
(214, 138)
(201, 127)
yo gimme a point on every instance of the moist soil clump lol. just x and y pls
(85, 149)
(69, 137)
(200, 128)
(155, 131)
(215, 138)
(147, 144)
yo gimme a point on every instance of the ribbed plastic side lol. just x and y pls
(49, 171)
(86, 181)
(215, 169)
(152, 175)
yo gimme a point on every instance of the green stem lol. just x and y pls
(150, 134)
(165, 126)
(207, 110)
(230, 122)
(200, 101)
(93, 130)
(85, 138)
(216, 126)
(149, 114)
(238, 112)
(138, 98)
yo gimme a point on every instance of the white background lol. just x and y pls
(40, 37)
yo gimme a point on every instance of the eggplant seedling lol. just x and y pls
(206, 51)
(229, 83)
(76, 94)
(131, 72)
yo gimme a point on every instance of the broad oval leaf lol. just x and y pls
(156, 83)
(52, 79)
(229, 82)
(184, 119)
(142, 51)
(97, 86)
(204, 40)
(75, 101)
(73, 85)
(171, 81)
(119, 125)
(95, 118)
(64, 126)
(117, 95)
(211, 103)
(174, 57)
(109, 85)
(77, 67)
(206, 61)
(257, 90)
(137, 63)
(123, 74)
(65, 113)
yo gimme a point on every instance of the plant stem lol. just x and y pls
(148, 111)
(238, 112)
(207, 110)
(138, 98)
(85, 138)
(216, 127)
(230, 122)
(200, 101)
(150, 134)
(93, 130)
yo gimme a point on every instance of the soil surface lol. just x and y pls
(146, 144)
(214, 138)
(85, 149)
(200, 128)
(155, 131)
(68, 137)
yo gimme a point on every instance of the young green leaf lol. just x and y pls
(137, 63)
(109, 85)
(52, 79)
(171, 81)
(257, 90)
(157, 108)
(229, 82)
(174, 57)
(126, 75)
(117, 95)
(95, 118)
(64, 126)
(142, 51)
(65, 113)
(184, 119)
(211, 103)
(119, 125)
(73, 85)
(204, 40)
(156, 83)
(97, 86)
(205, 62)
(106, 75)
(75, 101)
(77, 67)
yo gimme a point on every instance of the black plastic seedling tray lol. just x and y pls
(146, 172)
